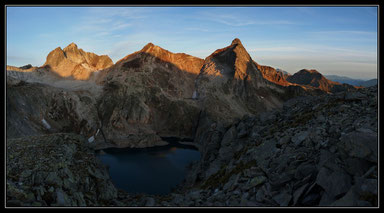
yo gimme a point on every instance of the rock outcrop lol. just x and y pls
(274, 75)
(76, 63)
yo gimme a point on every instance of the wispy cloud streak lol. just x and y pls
(237, 20)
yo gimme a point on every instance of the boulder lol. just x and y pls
(361, 145)
(229, 136)
(298, 138)
(334, 183)
(283, 198)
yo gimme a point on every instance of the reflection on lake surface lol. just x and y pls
(154, 170)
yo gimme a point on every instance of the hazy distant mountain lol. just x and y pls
(283, 71)
(369, 83)
(351, 81)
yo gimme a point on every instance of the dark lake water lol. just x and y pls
(154, 170)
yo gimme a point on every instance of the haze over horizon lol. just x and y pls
(333, 40)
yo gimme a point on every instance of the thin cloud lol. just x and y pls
(344, 35)
(122, 12)
(198, 29)
(277, 49)
(237, 20)
(108, 21)
(343, 32)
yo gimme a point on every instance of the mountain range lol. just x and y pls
(351, 81)
(151, 93)
(266, 137)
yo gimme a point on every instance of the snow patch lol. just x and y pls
(46, 124)
(194, 95)
(91, 139)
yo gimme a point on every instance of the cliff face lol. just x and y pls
(273, 75)
(76, 63)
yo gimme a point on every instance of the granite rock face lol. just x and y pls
(74, 62)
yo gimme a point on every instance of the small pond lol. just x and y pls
(154, 170)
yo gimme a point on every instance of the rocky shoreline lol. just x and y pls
(315, 151)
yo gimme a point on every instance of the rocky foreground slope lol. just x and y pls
(316, 150)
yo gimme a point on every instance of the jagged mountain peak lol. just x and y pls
(155, 50)
(75, 62)
(148, 47)
(235, 46)
(236, 41)
(232, 61)
(72, 47)
(73, 44)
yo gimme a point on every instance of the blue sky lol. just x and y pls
(333, 40)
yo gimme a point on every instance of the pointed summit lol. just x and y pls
(71, 46)
(149, 45)
(153, 49)
(236, 41)
(234, 60)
